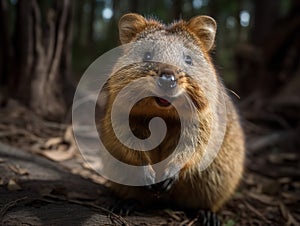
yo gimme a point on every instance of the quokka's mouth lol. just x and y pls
(162, 102)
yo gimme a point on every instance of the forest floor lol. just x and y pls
(44, 180)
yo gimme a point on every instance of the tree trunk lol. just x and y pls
(5, 44)
(134, 6)
(266, 13)
(79, 23)
(213, 9)
(43, 57)
(272, 60)
(24, 52)
(90, 37)
(177, 9)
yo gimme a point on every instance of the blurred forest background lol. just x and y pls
(46, 45)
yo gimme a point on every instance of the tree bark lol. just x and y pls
(43, 53)
(177, 9)
(24, 52)
(134, 6)
(49, 89)
(266, 13)
(272, 60)
(90, 37)
(78, 22)
(5, 43)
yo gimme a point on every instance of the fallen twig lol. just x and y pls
(118, 217)
(287, 215)
(269, 140)
(256, 212)
(10, 205)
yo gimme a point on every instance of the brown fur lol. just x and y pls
(195, 189)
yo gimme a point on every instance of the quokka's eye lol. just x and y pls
(148, 56)
(188, 60)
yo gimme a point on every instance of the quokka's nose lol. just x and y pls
(166, 81)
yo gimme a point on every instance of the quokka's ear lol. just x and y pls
(130, 25)
(205, 28)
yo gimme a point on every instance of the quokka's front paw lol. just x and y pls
(124, 207)
(164, 186)
(208, 218)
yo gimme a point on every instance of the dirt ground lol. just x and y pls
(44, 180)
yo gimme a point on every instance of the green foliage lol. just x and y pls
(106, 31)
(229, 223)
(285, 7)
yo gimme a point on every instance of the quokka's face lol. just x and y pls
(163, 68)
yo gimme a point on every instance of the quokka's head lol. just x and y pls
(164, 66)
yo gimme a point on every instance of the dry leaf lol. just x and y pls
(1, 181)
(284, 180)
(13, 186)
(69, 136)
(280, 158)
(293, 197)
(58, 155)
(80, 196)
(263, 198)
(296, 184)
(249, 179)
(287, 215)
(53, 141)
(87, 165)
(45, 191)
(284, 211)
(18, 170)
(98, 179)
